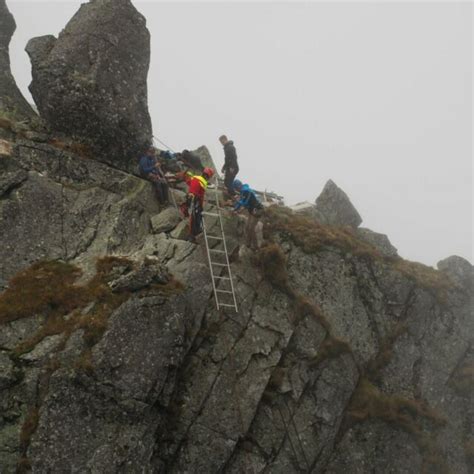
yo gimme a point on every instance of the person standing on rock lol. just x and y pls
(150, 169)
(194, 204)
(231, 166)
(249, 200)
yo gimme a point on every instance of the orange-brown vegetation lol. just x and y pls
(79, 149)
(463, 380)
(385, 352)
(330, 349)
(312, 237)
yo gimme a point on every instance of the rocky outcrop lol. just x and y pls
(12, 102)
(91, 82)
(338, 355)
(335, 208)
(342, 357)
(459, 270)
(379, 241)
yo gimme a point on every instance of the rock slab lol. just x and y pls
(91, 82)
(335, 207)
(11, 99)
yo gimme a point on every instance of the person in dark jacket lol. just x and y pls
(231, 166)
(150, 169)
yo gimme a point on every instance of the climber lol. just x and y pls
(150, 169)
(231, 166)
(194, 204)
(248, 199)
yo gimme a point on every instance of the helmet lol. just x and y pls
(209, 172)
(237, 184)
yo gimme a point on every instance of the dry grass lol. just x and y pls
(44, 288)
(463, 380)
(331, 348)
(50, 289)
(368, 402)
(79, 149)
(6, 124)
(385, 353)
(272, 261)
(313, 237)
(468, 446)
(409, 415)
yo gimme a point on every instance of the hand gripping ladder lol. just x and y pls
(218, 257)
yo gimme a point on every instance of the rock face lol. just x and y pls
(12, 101)
(91, 82)
(335, 208)
(459, 270)
(113, 359)
(337, 361)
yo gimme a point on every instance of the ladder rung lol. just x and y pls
(221, 278)
(214, 237)
(215, 250)
(228, 305)
(210, 214)
(224, 291)
(219, 264)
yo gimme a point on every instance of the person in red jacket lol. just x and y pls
(194, 204)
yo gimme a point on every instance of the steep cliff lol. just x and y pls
(340, 357)
(343, 357)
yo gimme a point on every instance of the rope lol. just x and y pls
(164, 144)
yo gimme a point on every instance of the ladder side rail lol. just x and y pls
(210, 262)
(228, 264)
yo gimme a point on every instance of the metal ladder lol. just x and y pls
(219, 266)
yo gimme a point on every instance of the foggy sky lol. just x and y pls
(376, 97)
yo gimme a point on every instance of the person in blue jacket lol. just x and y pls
(150, 169)
(248, 200)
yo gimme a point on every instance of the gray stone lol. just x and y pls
(16, 332)
(459, 270)
(335, 207)
(43, 348)
(12, 101)
(148, 272)
(181, 231)
(379, 241)
(166, 220)
(7, 371)
(90, 82)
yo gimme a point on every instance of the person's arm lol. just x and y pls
(146, 165)
(242, 202)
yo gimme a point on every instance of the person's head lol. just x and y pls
(237, 184)
(223, 139)
(150, 151)
(208, 173)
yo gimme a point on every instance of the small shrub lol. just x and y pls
(463, 380)
(45, 287)
(272, 262)
(468, 446)
(369, 402)
(28, 428)
(385, 352)
(304, 307)
(330, 349)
